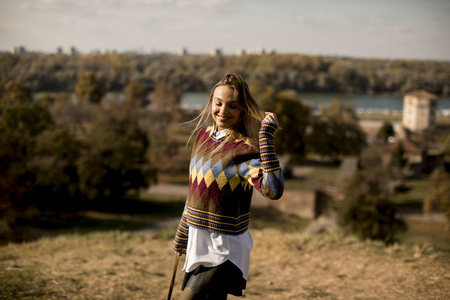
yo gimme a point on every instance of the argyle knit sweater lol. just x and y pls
(222, 182)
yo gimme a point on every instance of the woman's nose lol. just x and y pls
(223, 109)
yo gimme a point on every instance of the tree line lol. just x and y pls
(59, 154)
(51, 72)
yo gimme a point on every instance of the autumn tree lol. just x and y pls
(136, 94)
(15, 93)
(439, 197)
(165, 96)
(87, 89)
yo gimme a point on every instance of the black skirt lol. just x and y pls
(225, 278)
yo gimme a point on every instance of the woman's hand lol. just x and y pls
(271, 117)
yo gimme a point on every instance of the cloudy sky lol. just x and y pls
(408, 29)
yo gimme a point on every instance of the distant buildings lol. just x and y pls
(215, 52)
(419, 111)
(18, 50)
(181, 52)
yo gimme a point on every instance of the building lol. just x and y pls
(182, 52)
(419, 111)
(215, 52)
(18, 50)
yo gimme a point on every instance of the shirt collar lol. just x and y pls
(219, 134)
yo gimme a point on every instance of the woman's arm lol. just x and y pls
(269, 180)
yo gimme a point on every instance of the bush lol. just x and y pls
(115, 159)
(366, 210)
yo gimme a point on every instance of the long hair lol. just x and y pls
(249, 123)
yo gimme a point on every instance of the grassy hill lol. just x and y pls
(286, 263)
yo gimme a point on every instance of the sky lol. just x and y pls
(386, 29)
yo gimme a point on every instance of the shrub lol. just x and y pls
(366, 210)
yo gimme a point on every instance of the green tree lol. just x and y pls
(385, 132)
(336, 132)
(293, 117)
(136, 94)
(19, 128)
(115, 160)
(27, 120)
(88, 89)
(366, 209)
(55, 165)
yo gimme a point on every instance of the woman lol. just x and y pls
(228, 159)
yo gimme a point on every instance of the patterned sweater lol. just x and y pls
(221, 183)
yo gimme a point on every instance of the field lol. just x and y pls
(287, 263)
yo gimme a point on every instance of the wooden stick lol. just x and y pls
(174, 274)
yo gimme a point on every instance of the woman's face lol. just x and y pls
(225, 110)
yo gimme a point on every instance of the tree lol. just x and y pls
(165, 96)
(88, 89)
(293, 117)
(385, 132)
(15, 93)
(19, 129)
(115, 160)
(335, 132)
(439, 197)
(55, 165)
(366, 209)
(27, 120)
(136, 94)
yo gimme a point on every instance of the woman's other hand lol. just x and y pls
(271, 117)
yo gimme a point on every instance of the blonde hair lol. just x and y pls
(249, 123)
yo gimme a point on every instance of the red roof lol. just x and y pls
(408, 146)
(423, 94)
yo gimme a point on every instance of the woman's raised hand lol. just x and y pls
(271, 117)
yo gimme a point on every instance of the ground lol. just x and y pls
(290, 260)
(284, 265)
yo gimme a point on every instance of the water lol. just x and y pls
(385, 104)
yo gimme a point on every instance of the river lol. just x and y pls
(385, 104)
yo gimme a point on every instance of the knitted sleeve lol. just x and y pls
(181, 237)
(266, 174)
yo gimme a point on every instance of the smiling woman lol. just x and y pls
(228, 159)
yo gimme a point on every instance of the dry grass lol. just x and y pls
(285, 265)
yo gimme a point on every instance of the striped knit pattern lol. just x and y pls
(221, 183)
(181, 236)
(267, 147)
(223, 224)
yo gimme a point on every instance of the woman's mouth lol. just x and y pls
(221, 118)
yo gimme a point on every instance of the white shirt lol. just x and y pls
(211, 249)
